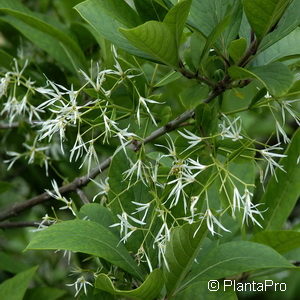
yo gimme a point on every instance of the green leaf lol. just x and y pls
(45, 293)
(156, 39)
(5, 59)
(237, 49)
(176, 18)
(44, 41)
(288, 46)
(97, 213)
(181, 252)
(150, 10)
(280, 240)
(170, 77)
(200, 291)
(205, 15)
(259, 95)
(149, 290)
(214, 35)
(207, 117)
(107, 16)
(276, 77)
(15, 288)
(234, 258)
(11, 264)
(282, 194)
(289, 22)
(86, 237)
(161, 39)
(45, 25)
(264, 14)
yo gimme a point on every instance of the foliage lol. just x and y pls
(152, 145)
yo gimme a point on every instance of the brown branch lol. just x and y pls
(80, 182)
(13, 225)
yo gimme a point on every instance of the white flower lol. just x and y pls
(250, 209)
(4, 83)
(46, 221)
(280, 131)
(138, 168)
(69, 205)
(287, 107)
(195, 165)
(91, 155)
(126, 229)
(97, 83)
(79, 147)
(192, 138)
(193, 209)
(104, 187)
(211, 220)
(142, 207)
(170, 147)
(268, 96)
(231, 129)
(140, 255)
(11, 161)
(271, 163)
(143, 102)
(184, 171)
(18, 73)
(80, 283)
(125, 139)
(237, 200)
(57, 195)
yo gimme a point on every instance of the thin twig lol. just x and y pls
(12, 225)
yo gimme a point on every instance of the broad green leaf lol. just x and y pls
(207, 117)
(107, 16)
(294, 91)
(282, 194)
(234, 258)
(50, 27)
(200, 291)
(44, 41)
(149, 290)
(176, 18)
(205, 15)
(44, 293)
(237, 48)
(192, 96)
(97, 213)
(11, 264)
(170, 77)
(156, 39)
(264, 14)
(276, 77)
(15, 288)
(86, 237)
(281, 240)
(289, 22)
(161, 39)
(5, 59)
(259, 95)
(150, 10)
(214, 35)
(288, 46)
(181, 252)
